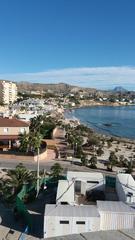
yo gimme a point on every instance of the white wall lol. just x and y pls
(52, 226)
(88, 180)
(125, 184)
(115, 221)
(65, 192)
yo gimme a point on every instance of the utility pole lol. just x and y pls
(38, 185)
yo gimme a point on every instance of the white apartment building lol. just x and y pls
(8, 92)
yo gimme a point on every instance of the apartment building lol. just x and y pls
(8, 92)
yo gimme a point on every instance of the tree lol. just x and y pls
(93, 161)
(35, 142)
(109, 144)
(112, 161)
(24, 140)
(30, 142)
(100, 151)
(14, 181)
(84, 160)
(56, 170)
(93, 141)
(129, 168)
(36, 124)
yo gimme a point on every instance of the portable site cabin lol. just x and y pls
(62, 220)
(125, 187)
(115, 215)
(86, 181)
(65, 192)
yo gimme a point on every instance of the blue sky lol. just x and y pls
(81, 42)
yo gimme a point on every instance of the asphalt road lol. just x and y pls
(31, 165)
(44, 165)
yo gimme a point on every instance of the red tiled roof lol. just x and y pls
(13, 122)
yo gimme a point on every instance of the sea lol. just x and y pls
(117, 121)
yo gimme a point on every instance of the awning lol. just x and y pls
(9, 137)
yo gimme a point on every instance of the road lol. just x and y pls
(46, 165)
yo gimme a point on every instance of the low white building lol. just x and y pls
(125, 187)
(62, 220)
(115, 215)
(65, 192)
(86, 181)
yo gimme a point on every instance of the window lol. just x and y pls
(64, 203)
(22, 130)
(64, 222)
(80, 222)
(5, 130)
(92, 182)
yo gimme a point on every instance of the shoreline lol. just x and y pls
(104, 135)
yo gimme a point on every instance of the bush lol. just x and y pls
(100, 152)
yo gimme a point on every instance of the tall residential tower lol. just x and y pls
(8, 92)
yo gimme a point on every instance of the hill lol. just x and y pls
(119, 89)
(56, 88)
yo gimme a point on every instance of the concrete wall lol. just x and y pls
(7, 156)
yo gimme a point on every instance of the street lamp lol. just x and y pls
(38, 187)
(38, 177)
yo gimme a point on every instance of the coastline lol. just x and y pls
(91, 103)
(98, 133)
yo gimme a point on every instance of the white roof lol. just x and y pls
(126, 180)
(84, 175)
(114, 206)
(65, 191)
(71, 211)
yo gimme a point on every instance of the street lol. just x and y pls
(46, 165)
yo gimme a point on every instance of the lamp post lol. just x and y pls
(38, 178)
(38, 187)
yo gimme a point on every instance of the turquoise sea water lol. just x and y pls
(117, 121)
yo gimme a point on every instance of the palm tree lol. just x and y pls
(24, 140)
(19, 176)
(129, 168)
(35, 141)
(36, 123)
(84, 160)
(112, 161)
(93, 161)
(14, 181)
(56, 170)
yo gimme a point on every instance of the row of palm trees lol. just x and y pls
(112, 161)
(40, 127)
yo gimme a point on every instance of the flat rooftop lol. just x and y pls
(114, 206)
(74, 211)
(101, 235)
